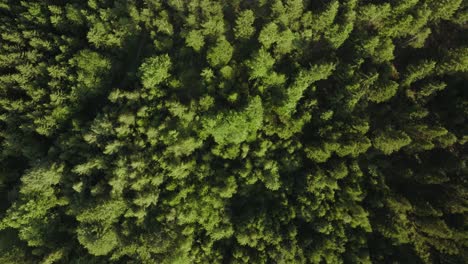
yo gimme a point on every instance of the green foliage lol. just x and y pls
(233, 131)
(90, 66)
(220, 54)
(37, 200)
(236, 127)
(98, 240)
(155, 70)
(301, 83)
(390, 140)
(382, 92)
(418, 71)
(261, 65)
(244, 25)
(195, 40)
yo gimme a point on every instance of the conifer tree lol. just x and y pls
(233, 131)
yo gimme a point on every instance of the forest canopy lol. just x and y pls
(204, 131)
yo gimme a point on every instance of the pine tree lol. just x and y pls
(233, 131)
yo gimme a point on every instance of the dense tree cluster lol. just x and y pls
(205, 131)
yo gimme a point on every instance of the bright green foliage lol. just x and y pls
(316, 24)
(236, 127)
(270, 131)
(382, 92)
(37, 200)
(97, 240)
(195, 40)
(261, 65)
(155, 70)
(444, 9)
(220, 54)
(269, 35)
(418, 71)
(389, 141)
(90, 67)
(244, 25)
(301, 83)
(455, 60)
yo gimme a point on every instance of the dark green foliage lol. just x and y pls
(240, 131)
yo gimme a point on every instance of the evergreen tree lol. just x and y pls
(233, 131)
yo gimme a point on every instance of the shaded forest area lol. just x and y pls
(268, 131)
